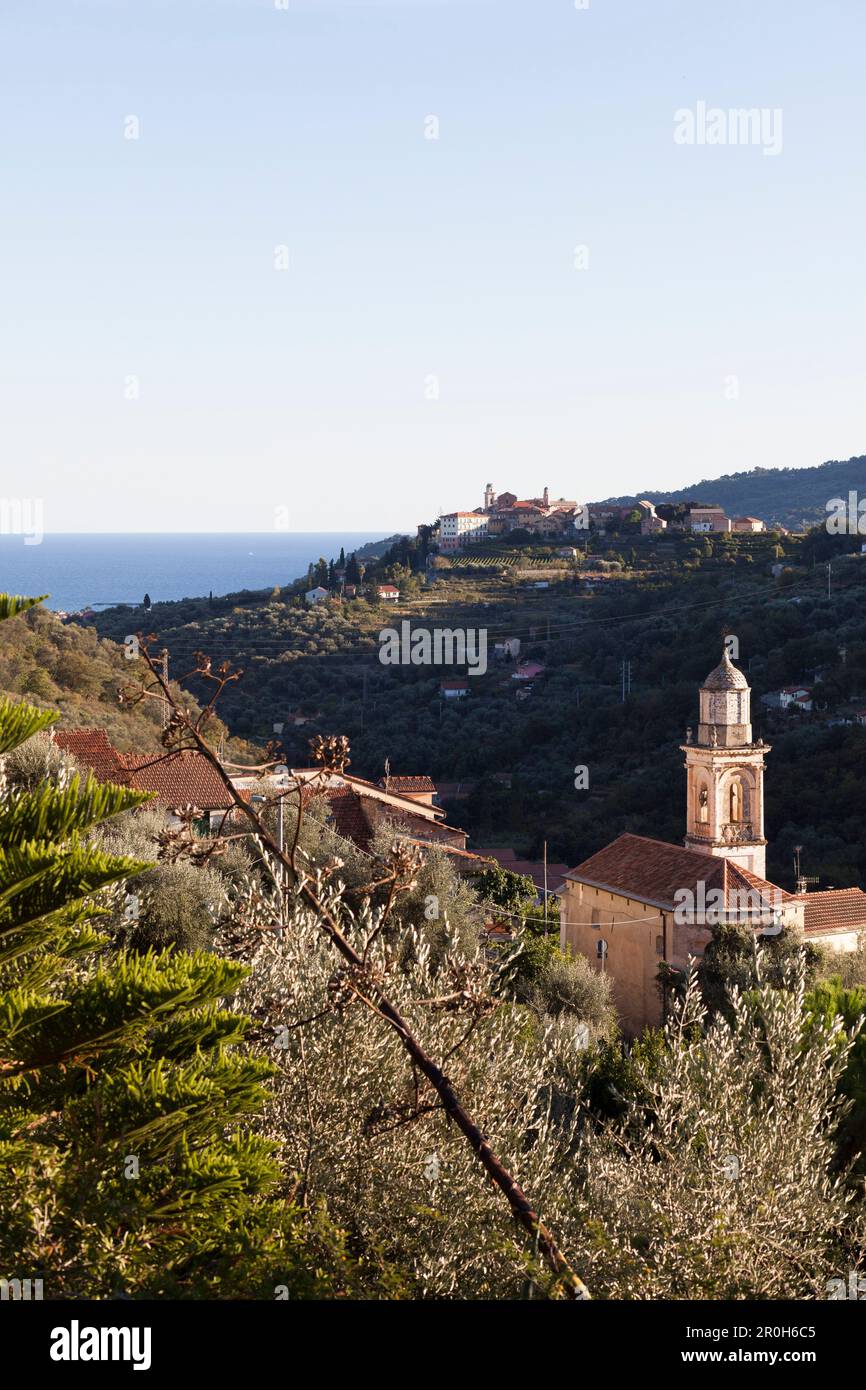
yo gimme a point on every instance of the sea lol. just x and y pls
(99, 570)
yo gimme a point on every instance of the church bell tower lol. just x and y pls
(725, 774)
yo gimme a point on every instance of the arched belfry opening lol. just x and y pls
(725, 772)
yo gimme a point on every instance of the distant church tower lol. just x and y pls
(489, 497)
(725, 774)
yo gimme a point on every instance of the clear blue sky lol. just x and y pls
(411, 258)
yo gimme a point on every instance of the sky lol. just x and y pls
(324, 264)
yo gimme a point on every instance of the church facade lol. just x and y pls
(640, 903)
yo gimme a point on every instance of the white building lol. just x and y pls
(316, 595)
(703, 519)
(457, 527)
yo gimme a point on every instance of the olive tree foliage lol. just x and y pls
(38, 761)
(728, 961)
(176, 903)
(729, 1191)
(440, 905)
(569, 985)
(360, 1130)
(717, 1182)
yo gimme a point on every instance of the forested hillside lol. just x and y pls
(661, 608)
(70, 668)
(792, 497)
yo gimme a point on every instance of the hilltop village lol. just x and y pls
(549, 518)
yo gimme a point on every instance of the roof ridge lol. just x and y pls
(651, 840)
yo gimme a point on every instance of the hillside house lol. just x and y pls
(177, 780)
(388, 593)
(454, 690)
(356, 809)
(456, 528)
(706, 519)
(419, 789)
(317, 595)
(790, 698)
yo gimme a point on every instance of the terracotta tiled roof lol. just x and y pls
(178, 779)
(652, 871)
(181, 779)
(407, 784)
(93, 749)
(348, 807)
(467, 856)
(835, 909)
(401, 814)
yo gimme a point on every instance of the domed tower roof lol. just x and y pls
(725, 676)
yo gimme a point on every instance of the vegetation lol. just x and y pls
(285, 1132)
(317, 671)
(126, 1092)
(790, 497)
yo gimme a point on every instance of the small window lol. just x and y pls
(596, 917)
(660, 945)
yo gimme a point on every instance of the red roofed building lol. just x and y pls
(180, 779)
(834, 916)
(420, 789)
(528, 671)
(358, 808)
(177, 779)
(92, 749)
(640, 903)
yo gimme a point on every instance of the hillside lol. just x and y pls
(660, 606)
(70, 668)
(792, 497)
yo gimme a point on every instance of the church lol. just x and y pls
(641, 902)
